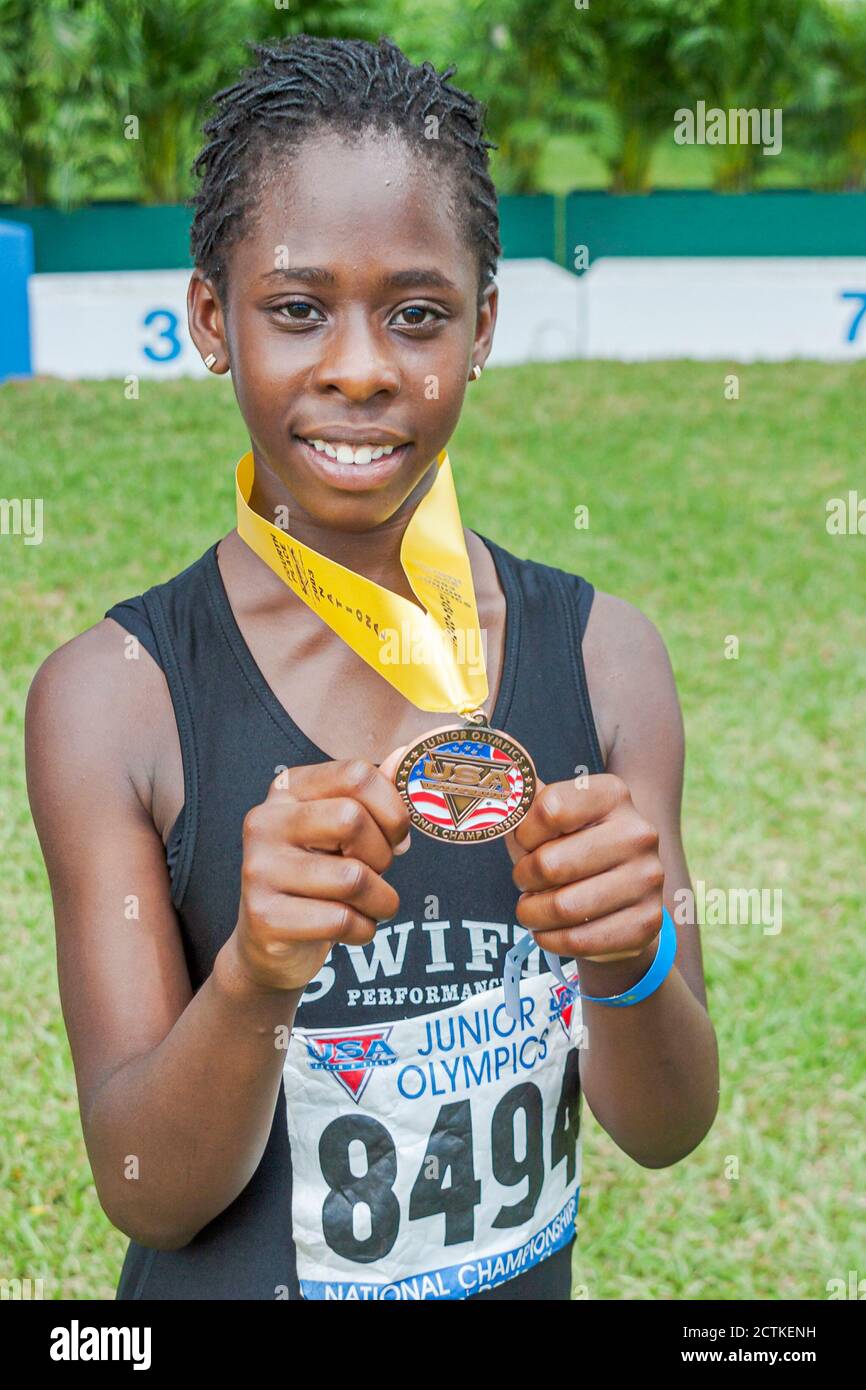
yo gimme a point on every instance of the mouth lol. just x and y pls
(353, 467)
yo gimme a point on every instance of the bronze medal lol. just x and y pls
(468, 784)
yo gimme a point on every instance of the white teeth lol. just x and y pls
(345, 453)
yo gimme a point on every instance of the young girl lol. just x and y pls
(297, 1069)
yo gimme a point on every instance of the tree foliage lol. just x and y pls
(72, 73)
(755, 56)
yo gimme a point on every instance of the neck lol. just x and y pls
(374, 553)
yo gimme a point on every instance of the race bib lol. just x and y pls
(437, 1156)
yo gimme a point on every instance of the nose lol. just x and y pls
(356, 360)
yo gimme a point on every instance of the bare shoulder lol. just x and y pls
(629, 674)
(103, 670)
(94, 703)
(96, 652)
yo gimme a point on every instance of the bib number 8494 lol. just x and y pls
(449, 1155)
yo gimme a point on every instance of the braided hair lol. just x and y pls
(306, 83)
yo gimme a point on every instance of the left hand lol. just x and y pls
(588, 867)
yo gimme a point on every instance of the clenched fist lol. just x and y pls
(314, 853)
(588, 867)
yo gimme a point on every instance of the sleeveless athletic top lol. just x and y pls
(424, 1144)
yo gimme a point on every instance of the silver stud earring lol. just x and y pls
(210, 359)
(476, 372)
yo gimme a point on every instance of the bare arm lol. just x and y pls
(595, 861)
(176, 1091)
(650, 1073)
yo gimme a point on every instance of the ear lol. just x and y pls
(485, 324)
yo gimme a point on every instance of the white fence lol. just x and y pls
(122, 323)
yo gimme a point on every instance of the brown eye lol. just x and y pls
(288, 310)
(415, 309)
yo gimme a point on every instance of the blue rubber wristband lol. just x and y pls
(658, 971)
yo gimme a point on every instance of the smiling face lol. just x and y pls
(352, 318)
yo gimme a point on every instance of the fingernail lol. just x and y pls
(403, 845)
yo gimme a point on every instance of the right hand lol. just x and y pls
(314, 852)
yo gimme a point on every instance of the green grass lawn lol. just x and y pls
(710, 516)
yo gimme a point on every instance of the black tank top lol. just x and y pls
(341, 1184)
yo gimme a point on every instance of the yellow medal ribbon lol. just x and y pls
(371, 618)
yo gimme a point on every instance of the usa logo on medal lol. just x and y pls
(467, 788)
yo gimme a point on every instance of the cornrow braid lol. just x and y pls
(304, 83)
